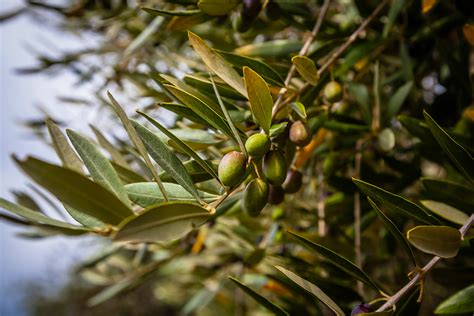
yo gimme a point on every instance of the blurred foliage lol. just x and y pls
(383, 93)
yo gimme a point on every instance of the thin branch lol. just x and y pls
(421, 273)
(357, 215)
(304, 50)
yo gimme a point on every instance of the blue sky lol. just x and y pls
(22, 260)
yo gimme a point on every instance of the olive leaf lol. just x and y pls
(156, 12)
(217, 64)
(162, 222)
(441, 241)
(445, 211)
(61, 145)
(261, 102)
(306, 68)
(165, 158)
(272, 307)
(76, 191)
(313, 289)
(459, 303)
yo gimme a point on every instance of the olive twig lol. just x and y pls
(421, 272)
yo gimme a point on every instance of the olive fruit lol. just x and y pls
(232, 168)
(252, 8)
(333, 91)
(257, 145)
(276, 195)
(293, 181)
(361, 309)
(255, 197)
(300, 133)
(274, 167)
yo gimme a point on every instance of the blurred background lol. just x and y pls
(24, 99)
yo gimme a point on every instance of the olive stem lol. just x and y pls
(304, 50)
(421, 272)
(357, 215)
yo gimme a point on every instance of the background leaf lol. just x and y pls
(459, 303)
(261, 102)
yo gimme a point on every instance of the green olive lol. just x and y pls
(293, 182)
(333, 92)
(276, 195)
(232, 168)
(300, 134)
(257, 145)
(255, 197)
(274, 167)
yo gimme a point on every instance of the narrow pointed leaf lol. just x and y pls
(336, 259)
(277, 310)
(267, 72)
(450, 192)
(217, 64)
(132, 133)
(397, 99)
(200, 108)
(35, 216)
(392, 228)
(61, 145)
(165, 158)
(111, 149)
(76, 190)
(195, 171)
(100, 168)
(167, 13)
(313, 289)
(182, 146)
(459, 303)
(306, 68)
(441, 241)
(458, 155)
(162, 222)
(146, 194)
(261, 102)
(395, 202)
(446, 211)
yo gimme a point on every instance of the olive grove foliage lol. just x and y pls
(320, 155)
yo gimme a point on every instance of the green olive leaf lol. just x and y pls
(163, 222)
(446, 211)
(261, 102)
(306, 68)
(459, 303)
(441, 241)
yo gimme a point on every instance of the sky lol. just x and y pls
(23, 260)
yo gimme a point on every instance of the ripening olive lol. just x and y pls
(255, 197)
(300, 134)
(257, 145)
(276, 195)
(293, 181)
(361, 309)
(232, 168)
(333, 91)
(274, 167)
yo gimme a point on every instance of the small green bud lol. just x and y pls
(274, 167)
(293, 181)
(276, 195)
(333, 92)
(300, 134)
(232, 168)
(255, 197)
(257, 145)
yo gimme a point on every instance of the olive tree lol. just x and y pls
(317, 156)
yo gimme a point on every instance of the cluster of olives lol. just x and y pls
(275, 178)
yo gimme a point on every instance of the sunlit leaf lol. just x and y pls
(111, 149)
(63, 149)
(165, 158)
(261, 102)
(76, 191)
(217, 64)
(162, 222)
(445, 211)
(441, 241)
(306, 68)
(100, 168)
